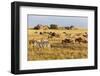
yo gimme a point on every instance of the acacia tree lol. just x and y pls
(71, 27)
(53, 26)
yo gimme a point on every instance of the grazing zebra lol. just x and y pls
(41, 43)
(45, 43)
(37, 43)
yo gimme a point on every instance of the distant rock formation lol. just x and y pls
(40, 26)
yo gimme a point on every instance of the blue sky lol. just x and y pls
(77, 21)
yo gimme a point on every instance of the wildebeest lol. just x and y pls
(79, 39)
(53, 34)
(41, 33)
(84, 41)
(65, 41)
(85, 35)
(31, 41)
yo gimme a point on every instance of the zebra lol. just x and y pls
(41, 43)
(45, 43)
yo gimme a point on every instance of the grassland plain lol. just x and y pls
(59, 50)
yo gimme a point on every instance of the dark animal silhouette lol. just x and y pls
(79, 39)
(65, 41)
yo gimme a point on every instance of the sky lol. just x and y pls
(77, 21)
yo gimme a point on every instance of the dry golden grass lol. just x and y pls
(73, 51)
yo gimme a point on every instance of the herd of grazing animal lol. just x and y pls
(77, 38)
(69, 39)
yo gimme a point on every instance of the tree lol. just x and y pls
(71, 27)
(67, 27)
(53, 26)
